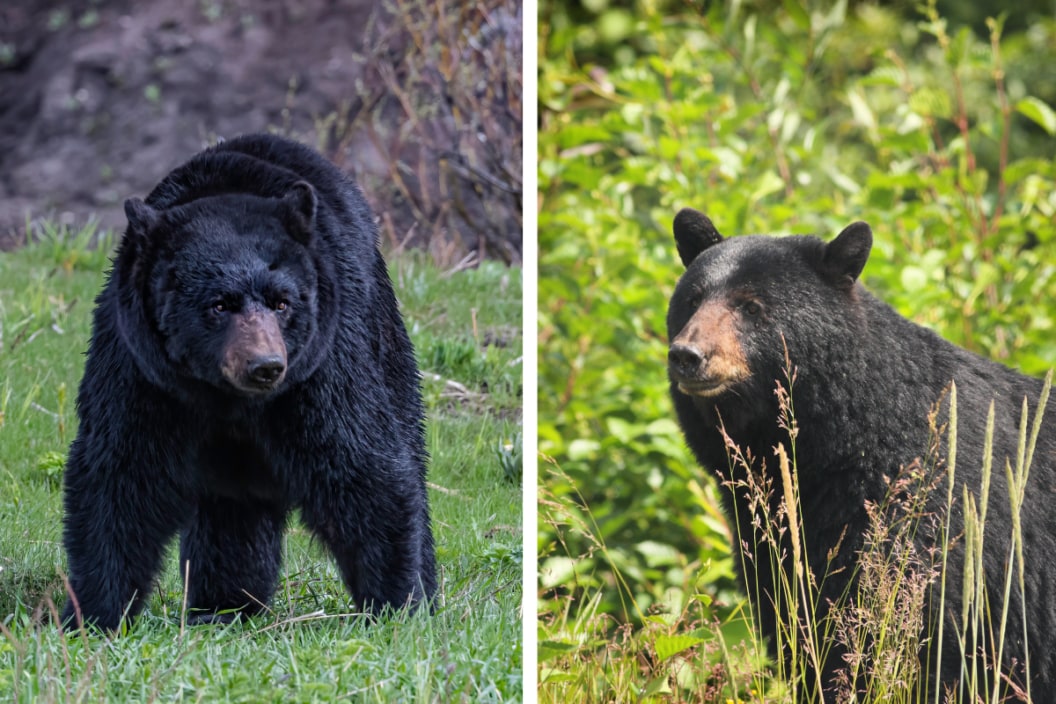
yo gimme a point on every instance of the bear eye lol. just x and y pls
(219, 307)
(281, 305)
(752, 308)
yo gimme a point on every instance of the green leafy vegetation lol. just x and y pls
(311, 647)
(773, 118)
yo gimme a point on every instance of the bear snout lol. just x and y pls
(694, 371)
(706, 357)
(266, 371)
(685, 360)
(254, 359)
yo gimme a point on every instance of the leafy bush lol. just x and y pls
(788, 120)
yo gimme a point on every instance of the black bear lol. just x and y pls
(247, 358)
(865, 380)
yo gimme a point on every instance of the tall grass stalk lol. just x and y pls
(806, 594)
(1017, 485)
(951, 470)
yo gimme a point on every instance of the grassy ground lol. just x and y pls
(467, 332)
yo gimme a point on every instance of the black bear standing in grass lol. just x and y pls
(247, 358)
(865, 381)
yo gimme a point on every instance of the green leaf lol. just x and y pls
(797, 13)
(663, 426)
(842, 180)
(931, 102)
(914, 278)
(549, 649)
(769, 183)
(658, 554)
(582, 447)
(667, 646)
(655, 687)
(863, 115)
(1038, 111)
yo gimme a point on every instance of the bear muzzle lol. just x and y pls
(701, 373)
(256, 375)
(690, 369)
(266, 371)
(254, 360)
(706, 357)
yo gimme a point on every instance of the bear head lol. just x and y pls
(226, 286)
(744, 302)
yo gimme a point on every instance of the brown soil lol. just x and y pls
(99, 100)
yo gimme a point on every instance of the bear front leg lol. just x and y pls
(116, 528)
(376, 525)
(230, 554)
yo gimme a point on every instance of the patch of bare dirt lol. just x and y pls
(419, 101)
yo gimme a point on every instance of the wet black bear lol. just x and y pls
(247, 358)
(865, 381)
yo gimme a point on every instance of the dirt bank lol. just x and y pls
(421, 103)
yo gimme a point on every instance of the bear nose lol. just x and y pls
(684, 358)
(265, 370)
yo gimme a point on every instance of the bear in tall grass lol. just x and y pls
(755, 314)
(247, 358)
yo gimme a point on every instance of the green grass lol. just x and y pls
(467, 332)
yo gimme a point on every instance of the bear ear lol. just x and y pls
(299, 205)
(846, 255)
(693, 234)
(141, 218)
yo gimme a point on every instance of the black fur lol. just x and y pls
(866, 379)
(258, 240)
